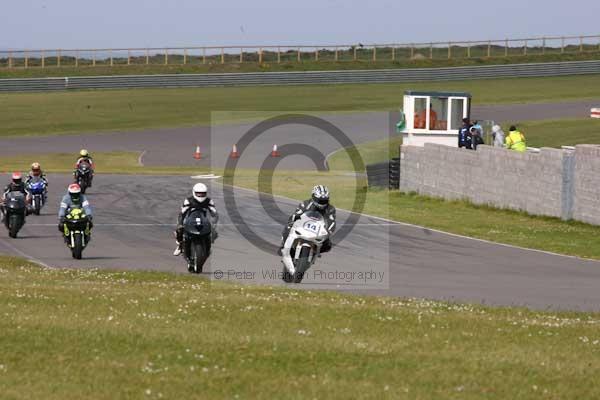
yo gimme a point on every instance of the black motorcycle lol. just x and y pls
(83, 175)
(197, 239)
(15, 209)
(77, 231)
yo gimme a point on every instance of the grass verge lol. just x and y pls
(71, 334)
(214, 66)
(110, 110)
(117, 162)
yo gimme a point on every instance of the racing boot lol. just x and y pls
(177, 249)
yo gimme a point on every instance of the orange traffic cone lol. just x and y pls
(275, 152)
(197, 153)
(234, 152)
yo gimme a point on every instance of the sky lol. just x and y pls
(36, 24)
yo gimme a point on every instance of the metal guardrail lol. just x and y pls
(302, 78)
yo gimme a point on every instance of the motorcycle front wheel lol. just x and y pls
(14, 224)
(302, 265)
(77, 249)
(197, 258)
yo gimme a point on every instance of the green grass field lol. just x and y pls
(110, 110)
(214, 66)
(72, 334)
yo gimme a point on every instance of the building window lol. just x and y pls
(420, 113)
(458, 106)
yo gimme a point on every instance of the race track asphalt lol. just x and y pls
(135, 216)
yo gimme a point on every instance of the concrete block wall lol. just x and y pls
(539, 183)
(586, 184)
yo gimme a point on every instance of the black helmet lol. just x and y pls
(320, 196)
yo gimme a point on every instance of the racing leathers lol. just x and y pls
(67, 203)
(86, 160)
(190, 204)
(41, 176)
(328, 213)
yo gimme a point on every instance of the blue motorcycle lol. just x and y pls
(37, 188)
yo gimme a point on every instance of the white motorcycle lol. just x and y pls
(303, 246)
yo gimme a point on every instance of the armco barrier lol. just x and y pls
(302, 78)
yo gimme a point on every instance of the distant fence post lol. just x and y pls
(278, 55)
(111, 57)
(128, 56)
(506, 48)
(241, 55)
(489, 50)
(431, 51)
(449, 50)
(581, 44)
(468, 50)
(393, 53)
(222, 55)
(10, 62)
(77, 58)
(299, 56)
(412, 51)
(94, 58)
(166, 56)
(26, 55)
(374, 53)
(354, 53)
(147, 57)
(204, 55)
(317, 54)
(185, 56)
(525, 48)
(58, 54)
(562, 44)
(543, 45)
(336, 53)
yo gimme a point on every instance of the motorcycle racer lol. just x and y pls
(84, 156)
(319, 202)
(198, 200)
(73, 199)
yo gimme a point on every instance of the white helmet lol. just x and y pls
(320, 196)
(199, 192)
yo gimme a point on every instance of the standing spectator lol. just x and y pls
(464, 135)
(476, 137)
(498, 136)
(516, 140)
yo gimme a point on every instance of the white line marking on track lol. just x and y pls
(141, 158)
(26, 256)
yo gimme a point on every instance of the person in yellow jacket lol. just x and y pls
(515, 140)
